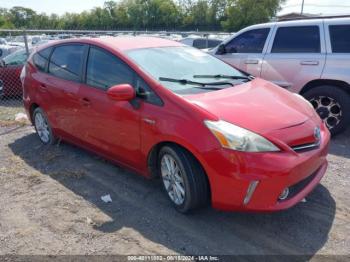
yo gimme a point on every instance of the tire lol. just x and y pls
(333, 106)
(44, 130)
(193, 179)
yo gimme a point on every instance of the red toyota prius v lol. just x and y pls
(210, 132)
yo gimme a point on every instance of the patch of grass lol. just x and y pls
(8, 114)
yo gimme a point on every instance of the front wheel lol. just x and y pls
(42, 127)
(333, 106)
(183, 178)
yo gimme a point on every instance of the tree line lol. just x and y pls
(208, 15)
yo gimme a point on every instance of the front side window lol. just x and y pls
(105, 70)
(298, 39)
(340, 38)
(66, 62)
(252, 41)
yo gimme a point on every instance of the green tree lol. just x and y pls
(242, 13)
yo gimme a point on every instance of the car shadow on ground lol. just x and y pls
(340, 144)
(141, 204)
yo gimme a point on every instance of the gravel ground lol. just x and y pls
(50, 204)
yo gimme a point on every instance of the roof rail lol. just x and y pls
(312, 17)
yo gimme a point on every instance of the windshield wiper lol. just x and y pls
(225, 76)
(201, 84)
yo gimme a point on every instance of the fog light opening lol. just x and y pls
(284, 194)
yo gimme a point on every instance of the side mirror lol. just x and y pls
(2, 63)
(122, 92)
(221, 50)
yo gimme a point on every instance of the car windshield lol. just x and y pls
(184, 63)
(16, 58)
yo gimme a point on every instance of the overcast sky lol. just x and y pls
(62, 6)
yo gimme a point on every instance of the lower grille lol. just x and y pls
(296, 188)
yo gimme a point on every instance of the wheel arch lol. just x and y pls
(32, 107)
(152, 159)
(321, 82)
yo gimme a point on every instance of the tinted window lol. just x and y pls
(66, 62)
(301, 39)
(105, 70)
(204, 43)
(249, 42)
(200, 43)
(340, 38)
(41, 58)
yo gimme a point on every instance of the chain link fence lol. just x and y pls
(15, 45)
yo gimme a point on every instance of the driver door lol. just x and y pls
(107, 126)
(246, 51)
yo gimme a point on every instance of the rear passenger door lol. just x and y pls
(246, 50)
(62, 83)
(296, 55)
(338, 50)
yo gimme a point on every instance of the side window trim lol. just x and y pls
(48, 59)
(135, 74)
(85, 46)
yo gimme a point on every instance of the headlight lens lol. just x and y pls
(240, 139)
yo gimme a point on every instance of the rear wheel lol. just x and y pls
(183, 178)
(42, 127)
(333, 106)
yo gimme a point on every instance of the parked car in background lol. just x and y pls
(6, 49)
(200, 43)
(3, 41)
(310, 57)
(165, 109)
(10, 70)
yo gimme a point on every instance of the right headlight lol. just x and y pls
(240, 139)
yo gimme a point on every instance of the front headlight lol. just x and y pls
(240, 139)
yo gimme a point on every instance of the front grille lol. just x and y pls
(305, 147)
(296, 188)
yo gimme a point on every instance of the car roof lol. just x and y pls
(122, 43)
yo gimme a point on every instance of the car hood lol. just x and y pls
(258, 105)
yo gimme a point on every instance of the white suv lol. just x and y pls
(310, 57)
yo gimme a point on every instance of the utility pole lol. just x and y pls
(302, 7)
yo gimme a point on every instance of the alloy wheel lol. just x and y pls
(328, 109)
(42, 127)
(173, 179)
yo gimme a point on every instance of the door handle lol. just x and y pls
(85, 102)
(43, 88)
(251, 62)
(309, 62)
(69, 94)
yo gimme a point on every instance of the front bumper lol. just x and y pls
(230, 174)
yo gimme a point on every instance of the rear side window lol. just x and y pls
(66, 62)
(340, 38)
(252, 41)
(200, 43)
(105, 70)
(41, 58)
(299, 39)
(204, 43)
